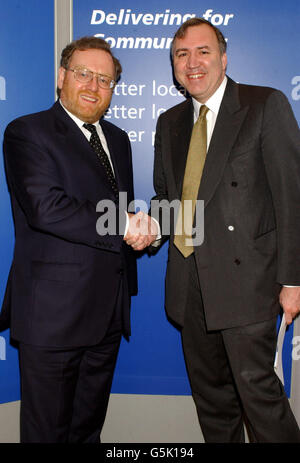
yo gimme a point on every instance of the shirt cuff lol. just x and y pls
(158, 236)
(127, 224)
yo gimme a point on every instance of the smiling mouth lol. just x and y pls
(196, 76)
(89, 98)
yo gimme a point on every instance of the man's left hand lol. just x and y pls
(289, 299)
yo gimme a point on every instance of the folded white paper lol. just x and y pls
(278, 357)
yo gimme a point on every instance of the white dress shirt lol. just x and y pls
(213, 104)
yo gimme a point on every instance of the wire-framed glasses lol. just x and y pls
(85, 76)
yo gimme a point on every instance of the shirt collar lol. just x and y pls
(214, 102)
(77, 121)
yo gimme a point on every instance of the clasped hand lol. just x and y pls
(142, 231)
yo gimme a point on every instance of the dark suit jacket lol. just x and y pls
(65, 278)
(251, 184)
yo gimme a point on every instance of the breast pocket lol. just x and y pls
(243, 149)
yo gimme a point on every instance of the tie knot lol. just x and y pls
(90, 127)
(203, 111)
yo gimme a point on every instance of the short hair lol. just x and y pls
(180, 33)
(87, 43)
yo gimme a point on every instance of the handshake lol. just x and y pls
(142, 231)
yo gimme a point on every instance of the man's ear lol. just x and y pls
(224, 61)
(61, 77)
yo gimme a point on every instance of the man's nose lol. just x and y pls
(193, 60)
(93, 83)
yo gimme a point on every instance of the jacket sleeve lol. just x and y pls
(281, 155)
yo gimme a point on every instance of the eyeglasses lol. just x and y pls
(85, 76)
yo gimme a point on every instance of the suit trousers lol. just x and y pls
(65, 392)
(232, 377)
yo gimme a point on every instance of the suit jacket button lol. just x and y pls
(231, 228)
(121, 271)
(234, 184)
(237, 261)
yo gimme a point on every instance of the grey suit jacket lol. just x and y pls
(251, 192)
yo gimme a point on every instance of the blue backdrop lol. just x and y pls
(26, 85)
(263, 48)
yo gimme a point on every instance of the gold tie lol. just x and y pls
(191, 182)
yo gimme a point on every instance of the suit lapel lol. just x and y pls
(229, 121)
(116, 155)
(76, 141)
(180, 139)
